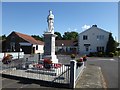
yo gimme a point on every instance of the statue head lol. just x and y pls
(50, 12)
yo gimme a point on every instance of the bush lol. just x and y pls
(92, 54)
(99, 54)
(85, 58)
(73, 56)
(111, 54)
(116, 53)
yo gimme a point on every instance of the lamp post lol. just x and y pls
(62, 47)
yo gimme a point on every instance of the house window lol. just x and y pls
(36, 47)
(85, 37)
(100, 37)
(100, 49)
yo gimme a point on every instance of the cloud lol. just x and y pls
(75, 29)
(85, 27)
(71, 29)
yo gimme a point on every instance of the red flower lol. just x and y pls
(47, 61)
(81, 59)
(56, 65)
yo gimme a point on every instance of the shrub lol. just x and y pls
(100, 54)
(7, 59)
(111, 54)
(116, 53)
(85, 58)
(90, 54)
(73, 56)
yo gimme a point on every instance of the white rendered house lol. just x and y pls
(93, 39)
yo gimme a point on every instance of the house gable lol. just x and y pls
(94, 28)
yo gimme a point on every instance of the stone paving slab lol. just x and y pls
(91, 78)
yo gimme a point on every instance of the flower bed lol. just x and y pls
(47, 63)
(54, 65)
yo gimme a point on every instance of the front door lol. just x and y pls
(86, 48)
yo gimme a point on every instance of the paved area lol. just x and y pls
(18, 84)
(91, 78)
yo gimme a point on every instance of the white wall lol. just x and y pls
(40, 49)
(92, 40)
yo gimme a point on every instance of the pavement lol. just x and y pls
(91, 78)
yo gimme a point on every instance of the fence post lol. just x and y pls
(72, 73)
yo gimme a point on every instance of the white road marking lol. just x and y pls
(107, 59)
(102, 59)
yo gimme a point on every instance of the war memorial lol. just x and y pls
(46, 68)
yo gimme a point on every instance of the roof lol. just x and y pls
(29, 38)
(65, 43)
(94, 26)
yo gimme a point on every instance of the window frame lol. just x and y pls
(85, 37)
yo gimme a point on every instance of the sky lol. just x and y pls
(31, 17)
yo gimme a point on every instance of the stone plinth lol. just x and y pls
(49, 47)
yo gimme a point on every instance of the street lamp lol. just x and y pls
(62, 47)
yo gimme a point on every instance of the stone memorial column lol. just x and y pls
(49, 40)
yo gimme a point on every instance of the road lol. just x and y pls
(109, 67)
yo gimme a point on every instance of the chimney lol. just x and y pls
(94, 25)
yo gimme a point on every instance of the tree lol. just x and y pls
(66, 36)
(59, 37)
(3, 37)
(111, 44)
(70, 35)
(37, 37)
(74, 35)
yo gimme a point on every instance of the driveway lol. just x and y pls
(109, 68)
